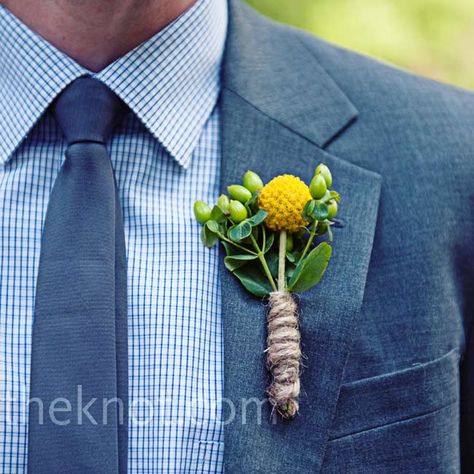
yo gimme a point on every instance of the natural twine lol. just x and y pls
(283, 353)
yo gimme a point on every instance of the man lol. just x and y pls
(178, 97)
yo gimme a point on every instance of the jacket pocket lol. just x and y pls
(388, 398)
(404, 421)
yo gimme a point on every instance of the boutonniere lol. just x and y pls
(277, 238)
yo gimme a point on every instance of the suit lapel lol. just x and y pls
(279, 109)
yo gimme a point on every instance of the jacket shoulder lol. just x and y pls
(360, 75)
(395, 110)
(382, 92)
(378, 88)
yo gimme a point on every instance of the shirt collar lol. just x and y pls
(171, 81)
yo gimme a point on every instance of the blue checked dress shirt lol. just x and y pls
(166, 154)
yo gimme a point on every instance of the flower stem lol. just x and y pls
(223, 237)
(261, 257)
(281, 261)
(310, 241)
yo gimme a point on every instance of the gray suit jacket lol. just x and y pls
(388, 384)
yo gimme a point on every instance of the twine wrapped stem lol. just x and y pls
(283, 353)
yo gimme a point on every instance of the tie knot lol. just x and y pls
(87, 111)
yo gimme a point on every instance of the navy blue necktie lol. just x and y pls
(79, 381)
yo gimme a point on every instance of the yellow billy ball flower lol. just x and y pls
(284, 198)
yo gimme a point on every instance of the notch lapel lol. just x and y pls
(273, 131)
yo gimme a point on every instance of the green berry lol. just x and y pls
(240, 193)
(223, 203)
(202, 211)
(318, 186)
(238, 212)
(332, 209)
(326, 172)
(252, 181)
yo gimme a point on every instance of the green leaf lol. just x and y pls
(229, 248)
(208, 237)
(294, 255)
(289, 270)
(232, 250)
(253, 280)
(256, 232)
(269, 242)
(311, 269)
(252, 203)
(272, 262)
(240, 231)
(233, 262)
(308, 210)
(217, 215)
(258, 218)
(212, 226)
(320, 211)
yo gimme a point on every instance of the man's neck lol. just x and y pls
(96, 32)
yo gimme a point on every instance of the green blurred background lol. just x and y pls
(434, 38)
